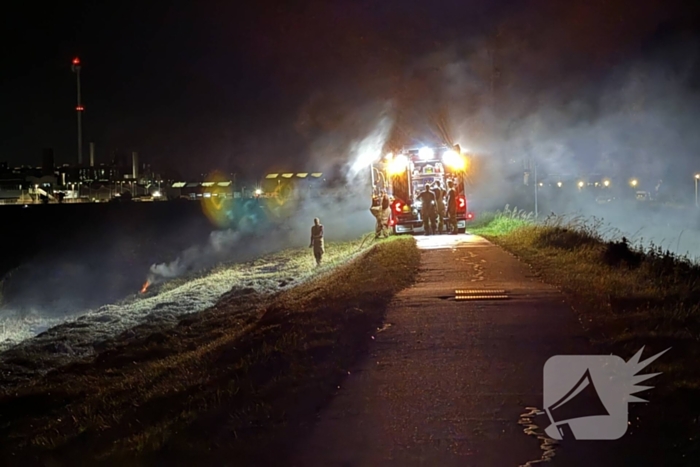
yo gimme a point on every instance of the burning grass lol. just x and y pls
(628, 297)
(66, 339)
(221, 384)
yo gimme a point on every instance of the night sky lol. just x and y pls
(196, 86)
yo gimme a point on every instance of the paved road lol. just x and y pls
(447, 380)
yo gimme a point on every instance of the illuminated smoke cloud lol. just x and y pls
(364, 153)
(344, 210)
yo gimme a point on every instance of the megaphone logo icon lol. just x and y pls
(587, 397)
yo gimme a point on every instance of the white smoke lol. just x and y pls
(344, 211)
(370, 148)
(221, 245)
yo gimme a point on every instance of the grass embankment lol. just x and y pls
(155, 310)
(628, 298)
(219, 386)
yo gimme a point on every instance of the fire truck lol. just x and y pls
(404, 175)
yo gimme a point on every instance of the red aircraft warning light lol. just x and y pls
(80, 108)
(76, 61)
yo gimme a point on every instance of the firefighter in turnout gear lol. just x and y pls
(440, 205)
(427, 199)
(381, 210)
(317, 240)
(452, 207)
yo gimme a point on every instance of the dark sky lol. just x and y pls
(208, 84)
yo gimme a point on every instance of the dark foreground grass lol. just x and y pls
(628, 299)
(228, 385)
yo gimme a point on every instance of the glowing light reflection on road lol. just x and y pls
(433, 242)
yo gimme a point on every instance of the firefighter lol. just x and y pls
(382, 213)
(452, 207)
(427, 199)
(385, 215)
(317, 240)
(440, 205)
(375, 209)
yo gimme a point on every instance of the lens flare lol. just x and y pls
(217, 200)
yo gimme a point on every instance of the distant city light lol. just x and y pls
(580, 184)
(606, 182)
(559, 184)
(633, 182)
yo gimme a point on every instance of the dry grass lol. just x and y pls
(223, 383)
(628, 298)
(501, 222)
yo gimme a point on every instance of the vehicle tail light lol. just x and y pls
(461, 202)
(398, 206)
(392, 222)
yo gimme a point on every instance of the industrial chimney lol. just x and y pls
(135, 164)
(92, 154)
(47, 162)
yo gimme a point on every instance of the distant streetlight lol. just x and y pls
(559, 184)
(606, 182)
(697, 178)
(634, 182)
(580, 184)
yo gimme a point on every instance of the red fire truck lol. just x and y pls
(404, 175)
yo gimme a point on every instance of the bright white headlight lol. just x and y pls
(426, 153)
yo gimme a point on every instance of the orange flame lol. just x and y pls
(145, 287)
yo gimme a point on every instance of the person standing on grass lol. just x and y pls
(376, 209)
(317, 240)
(385, 215)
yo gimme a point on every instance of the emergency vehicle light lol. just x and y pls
(461, 202)
(426, 153)
(398, 165)
(454, 161)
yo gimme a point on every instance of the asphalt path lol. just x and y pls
(447, 381)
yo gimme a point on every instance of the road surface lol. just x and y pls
(447, 380)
